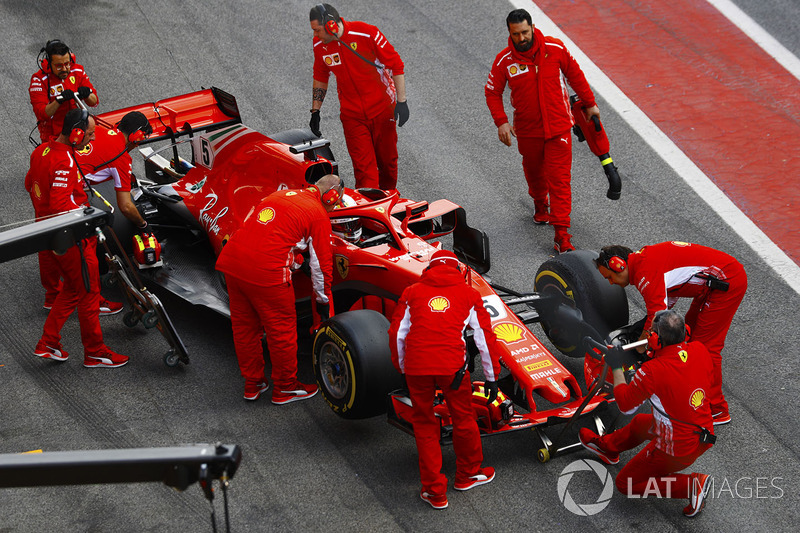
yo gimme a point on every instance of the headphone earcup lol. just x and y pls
(332, 27)
(76, 135)
(654, 341)
(136, 137)
(331, 197)
(72, 58)
(616, 264)
(45, 66)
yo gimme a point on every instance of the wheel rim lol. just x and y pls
(333, 370)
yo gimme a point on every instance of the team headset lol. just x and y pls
(331, 26)
(332, 195)
(654, 337)
(78, 130)
(612, 262)
(46, 51)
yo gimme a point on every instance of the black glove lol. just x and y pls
(615, 358)
(84, 92)
(401, 113)
(324, 311)
(65, 96)
(314, 123)
(490, 389)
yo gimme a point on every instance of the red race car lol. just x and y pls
(381, 244)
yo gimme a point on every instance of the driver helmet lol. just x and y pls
(348, 228)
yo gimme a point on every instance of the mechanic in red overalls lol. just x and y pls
(52, 88)
(107, 157)
(55, 186)
(664, 272)
(257, 262)
(676, 381)
(532, 65)
(427, 341)
(370, 81)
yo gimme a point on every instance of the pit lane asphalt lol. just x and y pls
(303, 468)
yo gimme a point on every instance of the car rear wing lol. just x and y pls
(174, 117)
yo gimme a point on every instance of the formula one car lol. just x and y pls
(381, 244)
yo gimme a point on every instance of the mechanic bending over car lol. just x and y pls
(371, 84)
(107, 157)
(257, 262)
(53, 86)
(428, 348)
(532, 65)
(677, 381)
(664, 272)
(55, 186)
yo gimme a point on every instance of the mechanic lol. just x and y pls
(676, 381)
(257, 262)
(107, 157)
(55, 186)
(54, 85)
(532, 65)
(664, 272)
(428, 348)
(370, 81)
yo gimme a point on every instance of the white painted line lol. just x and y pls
(759, 35)
(776, 258)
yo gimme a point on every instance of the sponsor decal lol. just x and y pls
(37, 191)
(56, 89)
(72, 80)
(209, 220)
(196, 187)
(86, 150)
(342, 265)
(380, 210)
(112, 132)
(332, 60)
(46, 151)
(291, 193)
(679, 243)
(438, 304)
(538, 365)
(509, 333)
(683, 355)
(266, 215)
(696, 399)
(546, 373)
(353, 46)
(515, 69)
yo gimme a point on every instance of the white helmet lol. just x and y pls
(348, 228)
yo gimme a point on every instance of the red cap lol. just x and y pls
(444, 257)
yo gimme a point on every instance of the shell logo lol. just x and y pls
(439, 304)
(681, 243)
(513, 70)
(696, 399)
(266, 215)
(509, 333)
(46, 151)
(683, 355)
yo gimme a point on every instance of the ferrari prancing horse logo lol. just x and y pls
(342, 266)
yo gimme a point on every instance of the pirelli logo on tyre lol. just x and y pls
(538, 365)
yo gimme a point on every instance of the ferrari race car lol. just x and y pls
(205, 172)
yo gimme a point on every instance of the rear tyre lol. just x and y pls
(353, 364)
(604, 306)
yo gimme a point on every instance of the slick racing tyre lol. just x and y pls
(353, 364)
(604, 306)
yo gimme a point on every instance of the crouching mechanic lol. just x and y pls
(107, 157)
(664, 272)
(55, 186)
(427, 341)
(676, 381)
(257, 262)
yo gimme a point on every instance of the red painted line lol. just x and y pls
(730, 107)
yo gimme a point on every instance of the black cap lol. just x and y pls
(134, 121)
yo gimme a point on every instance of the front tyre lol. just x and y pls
(353, 364)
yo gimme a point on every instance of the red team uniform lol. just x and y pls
(257, 263)
(55, 186)
(676, 381)
(106, 158)
(542, 117)
(44, 88)
(427, 341)
(367, 97)
(667, 271)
